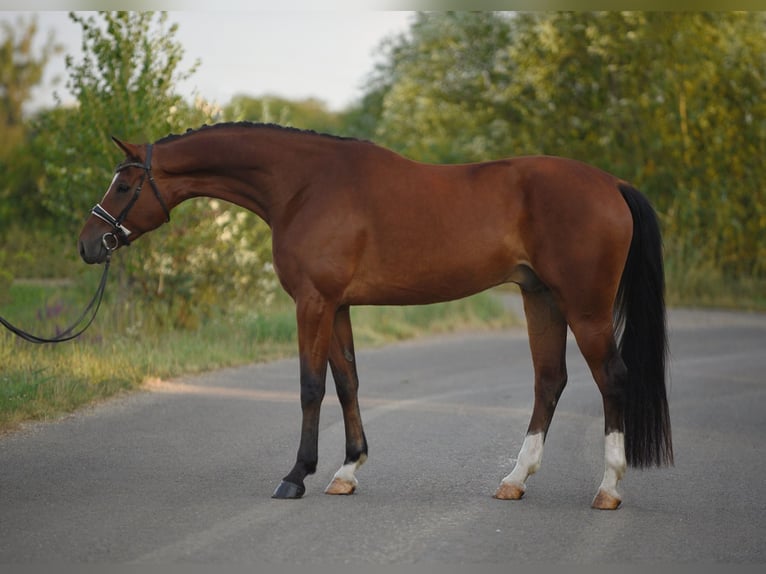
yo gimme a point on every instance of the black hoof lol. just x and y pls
(289, 490)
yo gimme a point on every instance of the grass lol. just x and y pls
(115, 355)
(40, 382)
(704, 286)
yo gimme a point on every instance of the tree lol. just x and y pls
(21, 70)
(123, 86)
(432, 87)
(309, 114)
(670, 101)
(126, 85)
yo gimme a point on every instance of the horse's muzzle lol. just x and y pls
(93, 251)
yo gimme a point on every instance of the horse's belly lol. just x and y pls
(415, 279)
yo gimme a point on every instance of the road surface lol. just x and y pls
(183, 472)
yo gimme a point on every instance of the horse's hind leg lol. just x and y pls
(547, 340)
(595, 337)
(343, 365)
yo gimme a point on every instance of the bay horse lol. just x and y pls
(354, 223)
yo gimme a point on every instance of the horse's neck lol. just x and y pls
(254, 168)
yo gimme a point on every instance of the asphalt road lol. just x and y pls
(184, 472)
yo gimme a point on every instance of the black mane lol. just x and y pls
(250, 125)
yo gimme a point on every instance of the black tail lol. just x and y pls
(640, 315)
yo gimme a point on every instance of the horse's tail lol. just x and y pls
(640, 316)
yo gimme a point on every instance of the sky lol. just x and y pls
(303, 48)
(325, 54)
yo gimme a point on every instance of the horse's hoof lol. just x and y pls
(288, 490)
(605, 501)
(340, 486)
(509, 491)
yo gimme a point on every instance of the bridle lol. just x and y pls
(121, 234)
(111, 241)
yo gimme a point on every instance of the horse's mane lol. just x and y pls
(250, 125)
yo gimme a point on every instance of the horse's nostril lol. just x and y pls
(86, 256)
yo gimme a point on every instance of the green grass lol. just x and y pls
(378, 325)
(40, 382)
(123, 349)
(700, 284)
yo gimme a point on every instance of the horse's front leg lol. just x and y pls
(343, 365)
(315, 325)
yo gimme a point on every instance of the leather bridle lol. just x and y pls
(120, 234)
(111, 241)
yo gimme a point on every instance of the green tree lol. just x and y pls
(670, 101)
(432, 88)
(125, 85)
(21, 70)
(309, 114)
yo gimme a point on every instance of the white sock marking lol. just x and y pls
(346, 472)
(614, 462)
(530, 457)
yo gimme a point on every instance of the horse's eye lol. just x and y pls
(123, 188)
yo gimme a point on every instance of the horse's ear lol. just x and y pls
(129, 149)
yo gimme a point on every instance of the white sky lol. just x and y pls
(324, 54)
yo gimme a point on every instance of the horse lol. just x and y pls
(354, 223)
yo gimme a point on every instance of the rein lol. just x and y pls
(69, 333)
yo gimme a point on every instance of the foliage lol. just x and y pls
(310, 114)
(670, 101)
(435, 82)
(125, 85)
(20, 72)
(212, 258)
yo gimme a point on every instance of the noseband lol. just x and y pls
(120, 233)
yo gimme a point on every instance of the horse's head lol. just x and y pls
(124, 213)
